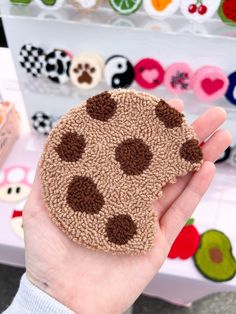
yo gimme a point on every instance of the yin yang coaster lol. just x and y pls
(86, 70)
(199, 11)
(31, 59)
(107, 160)
(50, 4)
(119, 72)
(161, 8)
(56, 66)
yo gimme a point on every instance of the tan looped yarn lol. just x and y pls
(107, 160)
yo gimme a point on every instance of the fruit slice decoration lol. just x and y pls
(187, 242)
(227, 12)
(214, 258)
(21, 1)
(198, 7)
(125, 7)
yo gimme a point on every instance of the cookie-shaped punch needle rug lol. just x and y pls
(107, 160)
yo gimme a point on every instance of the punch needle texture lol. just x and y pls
(105, 162)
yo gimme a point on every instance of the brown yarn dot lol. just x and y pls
(191, 151)
(101, 107)
(168, 115)
(120, 229)
(71, 147)
(134, 156)
(83, 196)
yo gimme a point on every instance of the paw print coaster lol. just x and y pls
(199, 10)
(31, 59)
(17, 223)
(210, 83)
(50, 4)
(118, 72)
(149, 73)
(56, 66)
(107, 160)
(161, 8)
(178, 78)
(231, 92)
(227, 12)
(86, 70)
(15, 183)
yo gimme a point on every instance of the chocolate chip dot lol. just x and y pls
(191, 151)
(101, 107)
(168, 115)
(83, 196)
(134, 156)
(120, 229)
(71, 147)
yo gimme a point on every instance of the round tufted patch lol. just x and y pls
(169, 116)
(101, 107)
(107, 160)
(191, 151)
(71, 147)
(134, 156)
(83, 196)
(120, 229)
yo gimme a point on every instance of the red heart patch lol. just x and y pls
(211, 86)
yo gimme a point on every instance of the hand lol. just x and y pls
(95, 282)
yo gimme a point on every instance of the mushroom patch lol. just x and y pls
(107, 160)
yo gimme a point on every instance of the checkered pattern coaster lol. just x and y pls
(31, 59)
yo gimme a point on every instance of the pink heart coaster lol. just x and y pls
(178, 78)
(210, 83)
(149, 73)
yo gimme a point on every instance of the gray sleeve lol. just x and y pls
(31, 300)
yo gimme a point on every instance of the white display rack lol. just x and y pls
(106, 33)
(105, 16)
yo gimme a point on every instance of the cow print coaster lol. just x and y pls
(56, 66)
(31, 59)
(107, 160)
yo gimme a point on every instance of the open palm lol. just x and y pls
(95, 282)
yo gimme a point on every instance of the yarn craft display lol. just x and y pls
(107, 160)
(87, 70)
(198, 11)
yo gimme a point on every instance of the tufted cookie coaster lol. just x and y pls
(105, 162)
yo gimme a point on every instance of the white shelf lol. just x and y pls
(105, 16)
